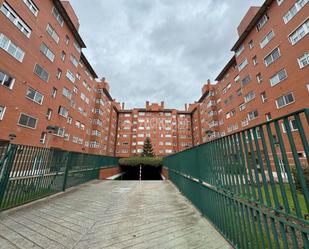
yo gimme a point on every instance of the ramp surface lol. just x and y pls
(110, 214)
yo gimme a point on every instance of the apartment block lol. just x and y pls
(268, 76)
(48, 88)
(169, 130)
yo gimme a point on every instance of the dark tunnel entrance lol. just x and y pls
(142, 173)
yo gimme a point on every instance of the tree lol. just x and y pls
(148, 150)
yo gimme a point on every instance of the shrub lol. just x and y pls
(144, 161)
(296, 178)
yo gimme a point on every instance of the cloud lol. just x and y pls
(159, 49)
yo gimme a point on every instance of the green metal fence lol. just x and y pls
(253, 184)
(28, 173)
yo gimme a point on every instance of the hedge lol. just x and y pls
(144, 161)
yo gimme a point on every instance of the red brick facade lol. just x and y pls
(51, 96)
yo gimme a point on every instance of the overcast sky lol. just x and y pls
(159, 49)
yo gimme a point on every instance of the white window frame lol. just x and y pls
(285, 102)
(16, 20)
(2, 112)
(52, 33)
(261, 23)
(271, 55)
(70, 76)
(7, 45)
(26, 126)
(47, 52)
(73, 60)
(58, 16)
(275, 80)
(292, 12)
(6, 77)
(303, 60)
(62, 111)
(43, 70)
(36, 94)
(267, 38)
(239, 50)
(32, 7)
(243, 64)
(253, 116)
(300, 32)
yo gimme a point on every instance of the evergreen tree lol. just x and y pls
(148, 150)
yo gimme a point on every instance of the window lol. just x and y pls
(253, 115)
(58, 16)
(267, 39)
(67, 93)
(264, 97)
(250, 96)
(303, 60)
(34, 96)
(299, 33)
(63, 54)
(251, 45)
(293, 126)
(74, 60)
(259, 78)
(58, 74)
(50, 30)
(285, 100)
(243, 64)
(54, 92)
(49, 114)
(41, 72)
(278, 77)
(69, 120)
(27, 121)
(255, 60)
(239, 92)
(308, 87)
(294, 10)
(242, 106)
(6, 80)
(245, 122)
(273, 56)
(237, 78)
(47, 52)
(59, 132)
(7, 45)
(239, 50)
(268, 116)
(76, 46)
(246, 81)
(70, 76)
(67, 40)
(63, 111)
(32, 7)
(262, 22)
(2, 111)
(43, 137)
(15, 19)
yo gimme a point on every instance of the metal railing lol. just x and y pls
(253, 184)
(28, 173)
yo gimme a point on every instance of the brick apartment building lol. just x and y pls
(48, 87)
(169, 130)
(50, 95)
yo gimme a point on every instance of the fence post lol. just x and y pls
(66, 172)
(6, 169)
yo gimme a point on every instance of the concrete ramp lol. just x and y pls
(110, 214)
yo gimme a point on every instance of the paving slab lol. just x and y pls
(112, 215)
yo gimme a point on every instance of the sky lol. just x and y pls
(159, 50)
